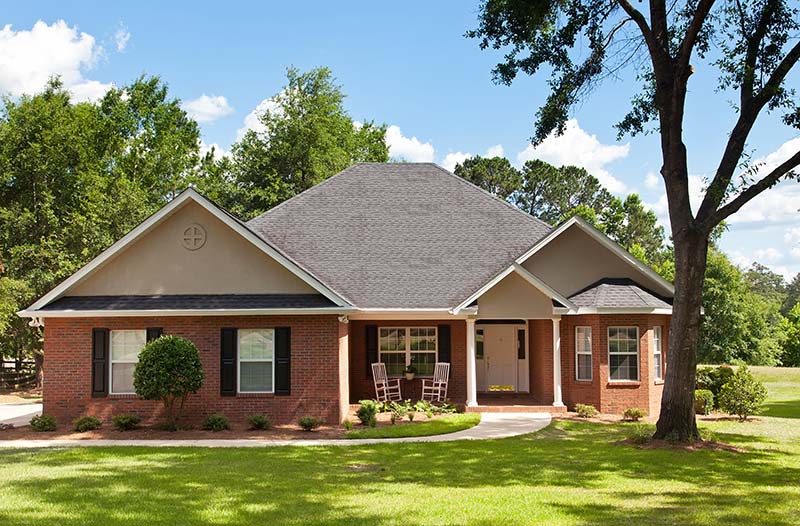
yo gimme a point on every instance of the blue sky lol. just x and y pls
(405, 64)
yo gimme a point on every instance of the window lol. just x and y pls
(124, 351)
(658, 363)
(623, 353)
(256, 364)
(583, 353)
(479, 344)
(400, 347)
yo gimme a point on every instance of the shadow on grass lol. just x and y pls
(782, 409)
(570, 469)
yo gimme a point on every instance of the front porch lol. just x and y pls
(513, 403)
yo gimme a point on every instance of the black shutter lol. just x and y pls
(153, 333)
(443, 333)
(371, 340)
(227, 370)
(283, 356)
(99, 363)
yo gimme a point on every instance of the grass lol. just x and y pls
(439, 426)
(571, 473)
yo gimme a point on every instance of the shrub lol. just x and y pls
(633, 414)
(348, 425)
(259, 422)
(640, 434)
(703, 401)
(712, 379)
(125, 422)
(742, 395)
(169, 369)
(400, 409)
(367, 410)
(43, 423)
(310, 423)
(216, 422)
(86, 423)
(586, 410)
(411, 416)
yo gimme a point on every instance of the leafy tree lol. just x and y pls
(169, 370)
(742, 395)
(790, 327)
(764, 281)
(635, 228)
(753, 48)
(308, 136)
(792, 295)
(493, 174)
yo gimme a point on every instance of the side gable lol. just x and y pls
(154, 260)
(576, 255)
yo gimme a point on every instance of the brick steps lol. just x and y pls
(516, 409)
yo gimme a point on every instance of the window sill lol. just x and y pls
(659, 382)
(123, 396)
(583, 381)
(255, 395)
(623, 383)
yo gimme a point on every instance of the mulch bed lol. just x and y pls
(237, 431)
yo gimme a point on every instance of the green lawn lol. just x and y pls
(569, 473)
(439, 426)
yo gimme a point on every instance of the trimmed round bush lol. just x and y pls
(259, 422)
(309, 423)
(633, 414)
(703, 401)
(169, 370)
(125, 422)
(586, 410)
(742, 395)
(86, 423)
(216, 422)
(367, 409)
(43, 423)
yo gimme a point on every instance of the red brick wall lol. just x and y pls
(361, 385)
(314, 369)
(607, 396)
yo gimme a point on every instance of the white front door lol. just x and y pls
(500, 357)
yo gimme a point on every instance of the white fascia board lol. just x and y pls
(409, 314)
(605, 241)
(28, 313)
(623, 310)
(163, 213)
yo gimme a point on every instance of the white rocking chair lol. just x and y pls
(435, 390)
(385, 389)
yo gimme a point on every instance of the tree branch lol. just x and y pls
(752, 191)
(733, 149)
(689, 40)
(751, 55)
(647, 33)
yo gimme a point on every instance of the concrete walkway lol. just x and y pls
(19, 414)
(492, 425)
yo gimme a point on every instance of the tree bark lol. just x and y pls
(677, 418)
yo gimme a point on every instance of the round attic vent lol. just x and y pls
(194, 237)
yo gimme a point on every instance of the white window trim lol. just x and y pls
(408, 350)
(239, 361)
(660, 353)
(112, 361)
(638, 351)
(589, 354)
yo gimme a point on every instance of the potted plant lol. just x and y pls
(410, 371)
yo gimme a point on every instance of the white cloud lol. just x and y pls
(408, 149)
(28, 58)
(219, 152)
(651, 180)
(207, 108)
(495, 151)
(578, 148)
(769, 255)
(252, 120)
(697, 187)
(792, 240)
(121, 38)
(452, 159)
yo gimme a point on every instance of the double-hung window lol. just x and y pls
(583, 353)
(124, 352)
(623, 353)
(400, 347)
(658, 360)
(256, 360)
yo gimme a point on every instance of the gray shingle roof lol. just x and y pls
(192, 301)
(400, 235)
(618, 292)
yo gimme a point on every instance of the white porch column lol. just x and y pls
(472, 379)
(557, 400)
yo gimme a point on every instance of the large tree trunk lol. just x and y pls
(677, 418)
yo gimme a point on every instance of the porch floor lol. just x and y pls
(513, 403)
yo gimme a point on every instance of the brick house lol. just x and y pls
(401, 263)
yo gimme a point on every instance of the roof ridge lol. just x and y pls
(484, 191)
